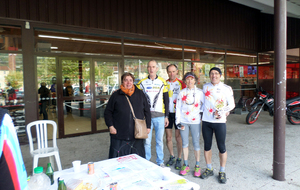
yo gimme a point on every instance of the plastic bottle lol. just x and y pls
(39, 180)
(50, 173)
(61, 184)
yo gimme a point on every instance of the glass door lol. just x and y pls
(107, 79)
(75, 107)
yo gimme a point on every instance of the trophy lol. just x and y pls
(219, 105)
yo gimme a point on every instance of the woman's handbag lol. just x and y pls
(140, 126)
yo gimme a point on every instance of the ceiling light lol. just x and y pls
(236, 54)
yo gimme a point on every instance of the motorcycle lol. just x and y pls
(266, 102)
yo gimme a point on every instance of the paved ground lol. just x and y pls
(250, 155)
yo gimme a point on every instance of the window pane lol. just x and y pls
(10, 38)
(46, 75)
(12, 89)
(106, 77)
(242, 79)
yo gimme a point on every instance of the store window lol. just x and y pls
(243, 80)
(12, 89)
(266, 79)
(155, 50)
(58, 42)
(10, 38)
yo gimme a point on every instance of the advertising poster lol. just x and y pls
(241, 71)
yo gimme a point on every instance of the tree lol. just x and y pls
(15, 79)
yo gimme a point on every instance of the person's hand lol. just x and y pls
(148, 130)
(217, 115)
(112, 130)
(227, 113)
(166, 122)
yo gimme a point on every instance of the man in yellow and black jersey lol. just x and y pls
(156, 91)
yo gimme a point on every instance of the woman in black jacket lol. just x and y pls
(119, 119)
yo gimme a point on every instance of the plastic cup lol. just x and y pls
(76, 165)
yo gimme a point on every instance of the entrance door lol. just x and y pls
(74, 97)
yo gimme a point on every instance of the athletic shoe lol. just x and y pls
(178, 164)
(207, 173)
(171, 161)
(184, 170)
(162, 165)
(197, 171)
(222, 177)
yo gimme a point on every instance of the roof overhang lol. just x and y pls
(267, 6)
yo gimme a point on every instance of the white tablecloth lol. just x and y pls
(130, 172)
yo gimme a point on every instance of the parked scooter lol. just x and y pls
(266, 102)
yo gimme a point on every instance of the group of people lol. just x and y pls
(166, 104)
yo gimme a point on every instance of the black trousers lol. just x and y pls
(124, 147)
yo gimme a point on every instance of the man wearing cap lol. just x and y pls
(218, 103)
(175, 86)
(156, 91)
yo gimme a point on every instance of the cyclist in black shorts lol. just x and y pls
(218, 103)
(175, 86)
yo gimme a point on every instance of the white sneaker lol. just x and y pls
(162, 165)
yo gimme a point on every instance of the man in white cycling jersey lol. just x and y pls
(156, 92)
(218, 103)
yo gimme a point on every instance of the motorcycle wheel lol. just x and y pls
(293, 120)
(250, 119)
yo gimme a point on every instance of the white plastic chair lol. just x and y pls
(42, 150)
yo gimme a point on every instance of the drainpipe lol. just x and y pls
(280, 20)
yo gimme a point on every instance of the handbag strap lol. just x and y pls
(130, 107)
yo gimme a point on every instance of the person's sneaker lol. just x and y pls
(184, 170)
(171, 161)
(222, 177)
(162, 165)
(178, 164)
(197, 171)
(207, 173)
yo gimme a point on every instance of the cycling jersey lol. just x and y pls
(174, 88)
(217, 97)
(189, 105)
(154, 90)
(13, 172)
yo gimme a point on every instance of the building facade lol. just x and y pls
(93, 42)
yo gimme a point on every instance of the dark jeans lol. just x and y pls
(43, 110)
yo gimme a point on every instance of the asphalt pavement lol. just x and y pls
(249, 147)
